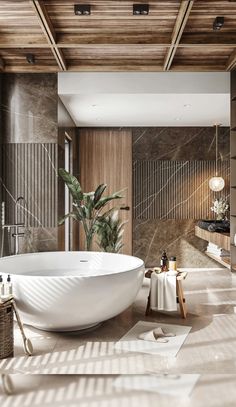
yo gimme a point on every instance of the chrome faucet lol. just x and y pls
(17, 234)
(17, 225)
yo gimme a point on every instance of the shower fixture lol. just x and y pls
(14, 229)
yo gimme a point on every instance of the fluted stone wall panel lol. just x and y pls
(30, 171)
(168, 189)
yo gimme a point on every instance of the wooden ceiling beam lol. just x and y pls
(22, 41)
(180, 23)
(208, 38)
(189, 40)
(30, 68)
(111, 68)
(49, 32)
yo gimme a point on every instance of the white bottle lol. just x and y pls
(1, 288)
(235, 239)
(8, 287)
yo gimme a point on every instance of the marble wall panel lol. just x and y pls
(179, 143)
(40, 239)
(168, 189)
(171, 168)
(30, 171)
(151, 237)
(174, 148)
(29, 157)
(29, 108)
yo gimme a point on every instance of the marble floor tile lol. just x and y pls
(209, 348)
(100, 391)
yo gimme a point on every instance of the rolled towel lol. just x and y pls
(156, 335)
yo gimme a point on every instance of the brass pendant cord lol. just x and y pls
(217, 126)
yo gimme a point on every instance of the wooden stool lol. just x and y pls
(179, 293)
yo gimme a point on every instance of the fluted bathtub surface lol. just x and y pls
(66, 291)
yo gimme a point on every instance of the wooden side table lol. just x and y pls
(179, 293)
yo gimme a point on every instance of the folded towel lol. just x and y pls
(163, 292)
(152, 336)
(156, 335)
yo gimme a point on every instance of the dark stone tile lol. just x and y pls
(151, 237)
(29, 108)
(41, 240)
(179, 143)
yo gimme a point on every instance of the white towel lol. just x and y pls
(163, 292)
(156, 335)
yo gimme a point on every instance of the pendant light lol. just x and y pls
(216, 183)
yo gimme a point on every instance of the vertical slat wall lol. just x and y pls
(30, 171)
(233, 171)
(175, 189)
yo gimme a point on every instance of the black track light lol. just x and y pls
(82, 9)
(140, 9)
(30, 58)
(218, 23)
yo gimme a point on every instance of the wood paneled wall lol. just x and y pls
(105, 156)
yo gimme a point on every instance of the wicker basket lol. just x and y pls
(6, 331)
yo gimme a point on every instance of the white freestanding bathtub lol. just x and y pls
(67, 291)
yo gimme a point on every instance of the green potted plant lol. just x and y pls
(110, 231)
(88, 208)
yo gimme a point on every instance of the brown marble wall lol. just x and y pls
(0, 152)
(180, 146)
(169, 189)
(179, 143)
(29, 108)
(177, 237)
(29, 147)
(153, 229)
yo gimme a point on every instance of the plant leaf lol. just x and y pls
(98, 193)
(72, 183)
(68, 215)
(103, 201)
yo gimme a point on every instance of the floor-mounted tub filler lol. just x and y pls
(67, 291)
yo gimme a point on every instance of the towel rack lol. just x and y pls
(179, 293)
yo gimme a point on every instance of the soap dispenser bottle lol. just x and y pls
(164, 261)
(8, 286)
(1, 288)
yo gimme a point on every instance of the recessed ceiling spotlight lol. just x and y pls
(187, 105)
(30, 58)
(82, 9)
(140, 9)
(218, 23)
(177, 119)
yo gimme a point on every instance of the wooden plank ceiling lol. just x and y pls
(176, 35)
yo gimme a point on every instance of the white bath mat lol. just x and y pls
(174, 385)
(130, 342)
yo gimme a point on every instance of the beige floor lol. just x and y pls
(94, 391)
(210, 349)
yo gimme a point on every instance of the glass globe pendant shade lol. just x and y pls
(216, 184)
